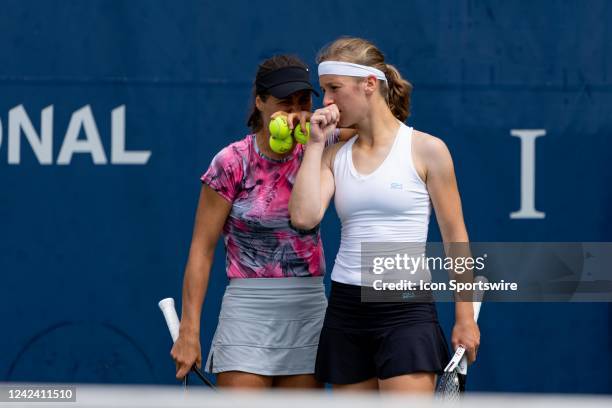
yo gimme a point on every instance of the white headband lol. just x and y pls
(349, 69)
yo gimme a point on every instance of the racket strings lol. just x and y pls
(449, 387)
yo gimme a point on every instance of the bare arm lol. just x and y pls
(313, 188)
(442, 186)
(314, 184)
(211, 214)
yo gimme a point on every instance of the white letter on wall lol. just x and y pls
(92, 144)
(528, 137)
(41, 146)
(118, 153)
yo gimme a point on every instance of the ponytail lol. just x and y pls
(398, 93)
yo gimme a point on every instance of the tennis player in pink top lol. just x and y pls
(274, 305)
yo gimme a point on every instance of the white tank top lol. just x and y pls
(391, 204)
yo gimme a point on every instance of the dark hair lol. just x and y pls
(255, 121)
(396, 90)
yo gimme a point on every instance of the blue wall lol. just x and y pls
(87, 250)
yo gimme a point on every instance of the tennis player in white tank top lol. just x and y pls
(389, 204)
(385, 181)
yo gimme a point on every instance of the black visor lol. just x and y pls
(282, 82)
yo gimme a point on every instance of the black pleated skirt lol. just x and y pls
(362, 340)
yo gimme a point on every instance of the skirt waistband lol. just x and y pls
(285, 298)
(347, 311)
(277, 283)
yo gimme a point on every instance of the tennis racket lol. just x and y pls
(167, 307)
(452, 382)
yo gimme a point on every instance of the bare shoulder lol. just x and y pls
(429, 148)
(431, 156)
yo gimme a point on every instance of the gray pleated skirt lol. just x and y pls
(269, 326)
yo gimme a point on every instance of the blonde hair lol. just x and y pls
(396, 90)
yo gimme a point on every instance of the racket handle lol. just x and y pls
(167, 307)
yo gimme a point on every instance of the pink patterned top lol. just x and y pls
(259, 239)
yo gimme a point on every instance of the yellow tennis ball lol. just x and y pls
(302, 137)
(279, 129)
(281, 146)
